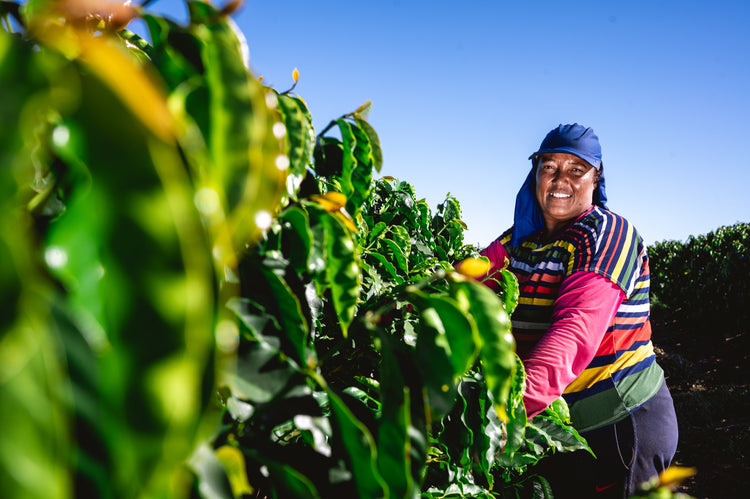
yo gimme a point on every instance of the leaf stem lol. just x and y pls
(330, 125)
(12, 9)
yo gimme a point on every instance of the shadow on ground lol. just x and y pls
(707, 373)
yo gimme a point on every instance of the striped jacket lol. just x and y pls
(623, 373)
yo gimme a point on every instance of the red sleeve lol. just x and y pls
(582, 312)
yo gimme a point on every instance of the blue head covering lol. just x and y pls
(573, 139)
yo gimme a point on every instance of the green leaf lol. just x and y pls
(549, 433)
(33, 391)
(399, 246)
(362, 174)
(76, 251)
(261, 373)
(299, 133)
(394, 442)
(360, 447)
(289, 482)
(296, 237)
(376, 151)
(433, 357)
(21, 77)
(458, 433)
(211, 473)
(342, 272)
(348, 161)
(383, 262)
(560, 410)
(375, 232)
(252, 316)
(394, 252)
(456, 333)
(131, 253)
(289, 315)
(176, 54)
(328, 156)
(510, 292)
(551, 425)
(516, 411)
(244, 138)
(497, 343)
(481, 419)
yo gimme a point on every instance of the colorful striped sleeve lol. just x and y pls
(612, 248)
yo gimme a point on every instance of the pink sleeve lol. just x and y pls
(583, 311)
(497, 254)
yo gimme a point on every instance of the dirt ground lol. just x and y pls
(707, 373)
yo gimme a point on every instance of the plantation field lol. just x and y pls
(202, 296)
(707, 375)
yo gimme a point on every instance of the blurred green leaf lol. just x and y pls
(289, 482)
(244, 136)
(361, 448)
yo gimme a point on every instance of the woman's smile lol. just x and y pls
(559, 195)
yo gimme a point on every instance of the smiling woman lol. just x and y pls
(564, 189)
(582, 321)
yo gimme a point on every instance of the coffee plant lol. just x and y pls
(705, 280)
(202, 297)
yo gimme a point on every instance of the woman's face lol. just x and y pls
(564, 186)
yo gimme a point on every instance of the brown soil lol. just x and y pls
(707, 373)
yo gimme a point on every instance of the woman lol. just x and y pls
(582, 323)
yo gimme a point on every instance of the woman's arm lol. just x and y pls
(583, 311)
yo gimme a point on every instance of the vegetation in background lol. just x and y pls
(699, 291)
(706, 279)
(203, 298)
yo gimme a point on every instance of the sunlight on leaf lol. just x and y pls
(118, 70)
(675, 475)
(171, 384)
(474, 267)
(231, 7)
(334, 202)
(330, 201)
(234, 461)
(363, 111)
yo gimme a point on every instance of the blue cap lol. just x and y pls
(573, 139)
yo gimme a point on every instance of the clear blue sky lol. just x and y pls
(463, 92)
